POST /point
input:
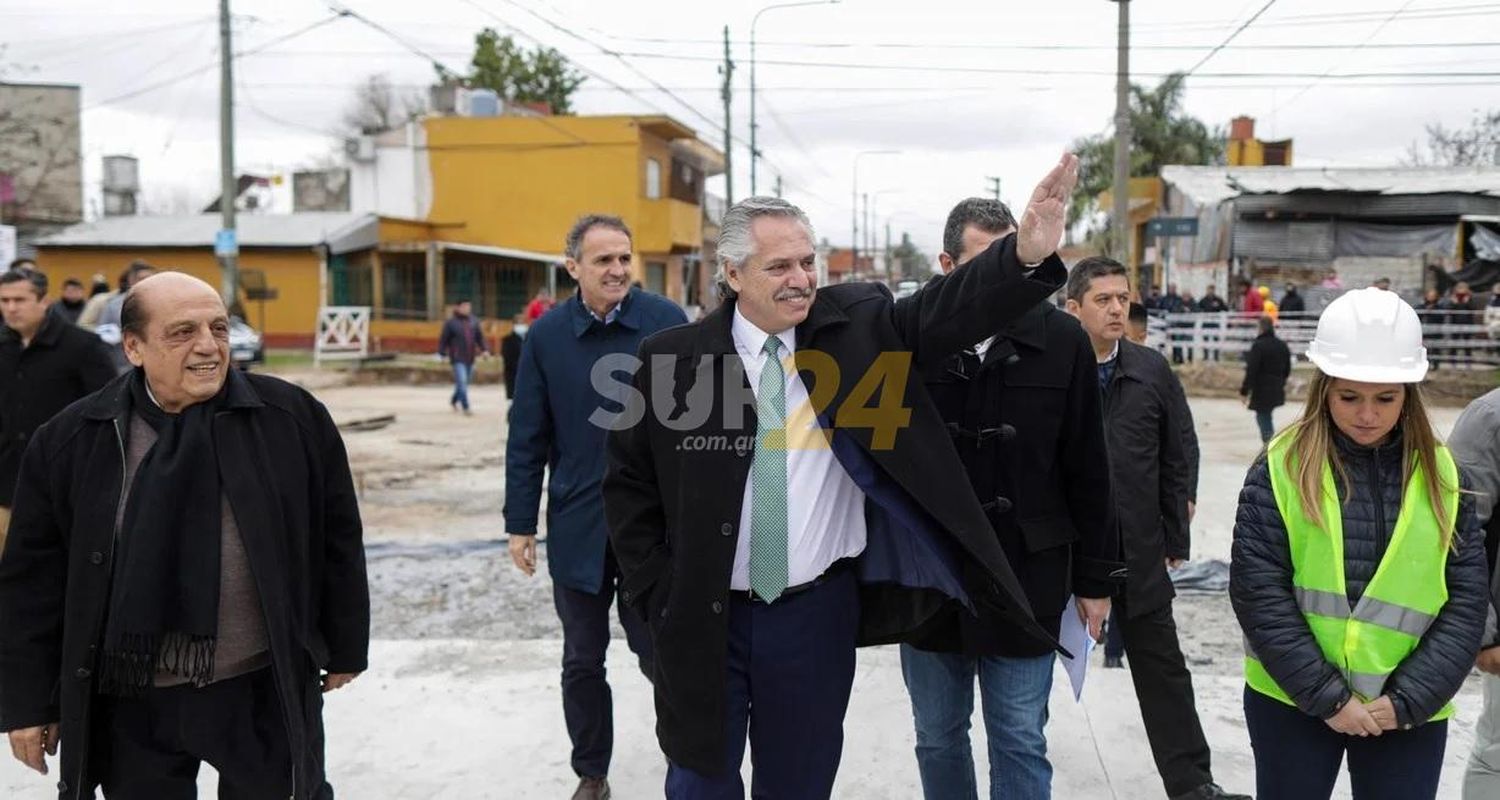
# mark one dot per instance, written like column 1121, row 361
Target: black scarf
column 164, row 601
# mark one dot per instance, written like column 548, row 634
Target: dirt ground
column 432, row 489
column 462, row 698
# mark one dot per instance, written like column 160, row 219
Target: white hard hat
column 1370, row 335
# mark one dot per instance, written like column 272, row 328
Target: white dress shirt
column 825, row 509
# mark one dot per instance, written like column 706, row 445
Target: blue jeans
column 1014, row 693
column 1267, row 427
column 461, row 374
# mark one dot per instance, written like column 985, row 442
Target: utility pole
column 888, row 247
column 226, row 246
column 869, row 233
column 727, row 70
column 1120, row 219
column 778, row 184
column 994, row 187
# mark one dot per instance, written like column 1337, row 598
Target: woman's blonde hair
column 1312, row 447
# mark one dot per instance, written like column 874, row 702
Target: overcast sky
column 964, row 90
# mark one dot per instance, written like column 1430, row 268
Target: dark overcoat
column 286, row 475
column 676, row 476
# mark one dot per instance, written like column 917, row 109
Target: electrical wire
column 206, row 67
column 1225, row 43
column 443, row 70
column 1304, row 90
column 601, row 48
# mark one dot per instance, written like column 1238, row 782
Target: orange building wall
column 290, row 320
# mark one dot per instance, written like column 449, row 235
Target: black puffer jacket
column 1261, row 588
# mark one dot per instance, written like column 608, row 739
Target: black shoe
column 1114, row 662
column 1211, row 791
column 592, row 789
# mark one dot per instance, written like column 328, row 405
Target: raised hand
column 1046, row 214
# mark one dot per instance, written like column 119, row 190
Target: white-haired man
column 760, row 568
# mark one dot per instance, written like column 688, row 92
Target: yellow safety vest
column 1366, row 643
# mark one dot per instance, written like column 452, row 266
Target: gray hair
column 984, row 213
column 735, row 242
column 573, row 245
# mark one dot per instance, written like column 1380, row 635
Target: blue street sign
column 226, row 244
column 1172, row 226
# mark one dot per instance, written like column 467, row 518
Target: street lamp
column 854, row 202
column 754, row 152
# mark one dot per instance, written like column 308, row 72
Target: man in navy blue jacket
column 550, row 427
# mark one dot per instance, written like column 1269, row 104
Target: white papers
column 1075, row 638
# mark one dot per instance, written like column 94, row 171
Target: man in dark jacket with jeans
column 1151, row 473
column 462, row 342
column 185, row 559
column 1267, row 366
column 552, row 424
column 45, row 364
column 1023, row 410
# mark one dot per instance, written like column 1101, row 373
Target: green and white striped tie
column 768, row 505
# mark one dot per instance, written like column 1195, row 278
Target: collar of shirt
column 750, row 340
column 1113, row 354
column 584, row 317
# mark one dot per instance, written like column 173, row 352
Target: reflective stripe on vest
column 1367, row 642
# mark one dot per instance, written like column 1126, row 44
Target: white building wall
column 397, row 182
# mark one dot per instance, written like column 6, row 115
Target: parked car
column 907, row 288
column 246, row 346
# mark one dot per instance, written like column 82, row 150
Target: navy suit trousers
column 791, row 668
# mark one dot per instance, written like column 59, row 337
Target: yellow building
column 450, row 207
column 1242, row 149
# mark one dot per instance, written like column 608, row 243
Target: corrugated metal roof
column 197, row 230
column 1216, row 184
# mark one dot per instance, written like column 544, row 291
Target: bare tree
column 1476, row 145
column 41, row 178
column 378, row 106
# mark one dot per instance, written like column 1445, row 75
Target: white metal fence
column 343, row 333
column 1452, row 337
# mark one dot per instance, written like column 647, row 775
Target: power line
column 804, row 89
column 618, row 56
column 441, row 68
column 1331, row 68
column 392, row 35
column 946, row 68
column 116, row 35
column 207, row 67
column 1225, row 43
column 657, row 85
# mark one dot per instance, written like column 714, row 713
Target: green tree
column 1160, row 134
column 542, row 75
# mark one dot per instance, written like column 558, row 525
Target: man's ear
column 1072, row 306
column 946, row 262
column 132, row 345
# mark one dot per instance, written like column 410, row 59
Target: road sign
column 1172, row 226
column 226, row 243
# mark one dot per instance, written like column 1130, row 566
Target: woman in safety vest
column 1359, row 574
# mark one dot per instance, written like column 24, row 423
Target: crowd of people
column 754, row 495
